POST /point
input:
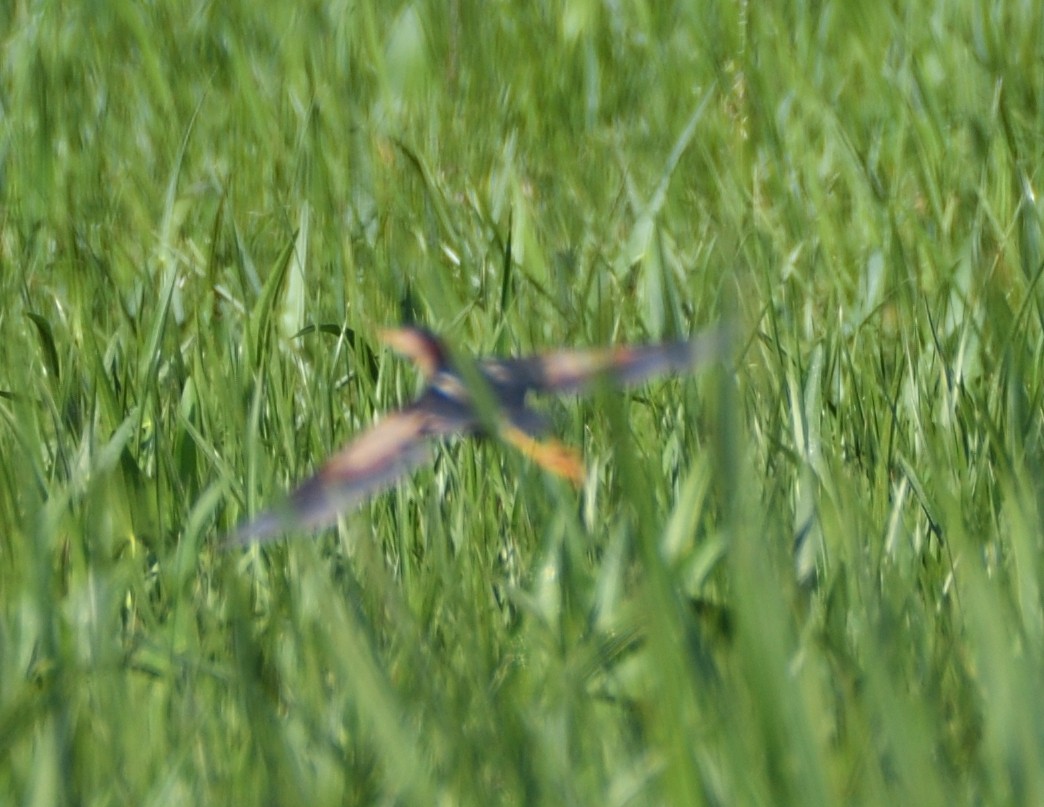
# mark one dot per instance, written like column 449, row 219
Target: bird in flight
column 401, row 441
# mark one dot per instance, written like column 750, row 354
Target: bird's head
column 421, row 347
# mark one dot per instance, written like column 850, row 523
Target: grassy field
column 810, row 576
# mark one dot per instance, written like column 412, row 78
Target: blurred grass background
column 811, row 578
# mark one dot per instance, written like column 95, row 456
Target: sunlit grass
column 811, row 576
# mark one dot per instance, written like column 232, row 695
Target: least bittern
column 402, row 440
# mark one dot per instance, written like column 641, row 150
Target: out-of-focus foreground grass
column 810, row 576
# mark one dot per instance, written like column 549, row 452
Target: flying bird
column 402, row 440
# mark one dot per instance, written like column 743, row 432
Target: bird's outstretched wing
column 401, row 441
column 565, row 371
column 367, row 465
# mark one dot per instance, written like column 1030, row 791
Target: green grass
column 812, row 578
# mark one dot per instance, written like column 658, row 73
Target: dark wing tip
column 259, row 530
column 311, row 506
column 264, row 527
column 710, row 345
